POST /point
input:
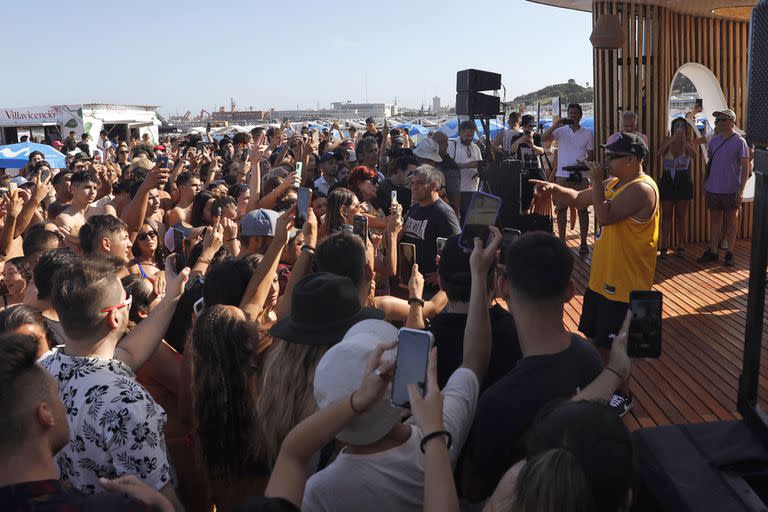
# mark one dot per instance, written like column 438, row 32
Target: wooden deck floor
column 696, row 378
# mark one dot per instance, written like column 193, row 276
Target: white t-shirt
column 394, row 479
column 509, row 134
column 462, row 154
column 572, row 147
column 116, row 427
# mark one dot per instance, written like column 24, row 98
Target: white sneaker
column 724, row 244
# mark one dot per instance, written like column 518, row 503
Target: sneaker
column 680, row 252
column 621, row 403
column 662, row 254
column 724, row 244
column 728, row 261
column 707, row 257
column 584, row 249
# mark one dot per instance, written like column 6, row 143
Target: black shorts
column 679, row 188
column 601, row 319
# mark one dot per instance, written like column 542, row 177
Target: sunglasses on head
column 146, row 235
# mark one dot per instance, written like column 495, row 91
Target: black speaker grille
column 757, row 78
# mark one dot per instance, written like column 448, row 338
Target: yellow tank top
column 624, row 257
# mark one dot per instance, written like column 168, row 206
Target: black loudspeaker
column 473, row 80
column 477, row 104
column 757, row 77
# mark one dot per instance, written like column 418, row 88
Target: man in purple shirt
column 726, row 178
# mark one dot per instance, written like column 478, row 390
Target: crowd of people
column 179, row 332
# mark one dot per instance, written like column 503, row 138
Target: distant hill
column 570, row 92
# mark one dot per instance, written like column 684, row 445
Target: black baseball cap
column 628, row 144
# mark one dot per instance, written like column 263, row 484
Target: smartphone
column 215, row 212
column 567, row 121
column 360, row 227
column 12, row 187
column 507, row 237
column 244, row 154
column 406, row 257
column 393, row 201
column 200, row 145
column 297, row 178
column 482, row 212
column 700, row 102
column 644, row 338
column 413, row 348
column 198, row 307
column 178, row 249
column 302, row 206
column 45, row 174
column 440, row 244
column 162, row 161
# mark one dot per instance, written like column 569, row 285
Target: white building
column 54, row 122
column 435, row 105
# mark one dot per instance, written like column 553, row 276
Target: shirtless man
column 189, row 186
column 85, row 185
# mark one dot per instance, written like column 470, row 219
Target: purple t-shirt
column 725, row 175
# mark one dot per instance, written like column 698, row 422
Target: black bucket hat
column 323, row 308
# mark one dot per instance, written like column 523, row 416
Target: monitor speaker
column 757, row 77
column 477, row 104
column 473, row 80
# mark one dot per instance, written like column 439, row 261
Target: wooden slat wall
column 639, row 75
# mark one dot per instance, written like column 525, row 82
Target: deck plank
column 696, row 378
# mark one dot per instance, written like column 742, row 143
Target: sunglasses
column 374, row 181
column 146, row 235
column 123, row 152
column 124, row 304
column 615, row 156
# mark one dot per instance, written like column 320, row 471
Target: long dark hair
column 225, row 425
column 158, row 258
column 15, row 316
column 142, row 294
column 196, row 217
column 336, row 199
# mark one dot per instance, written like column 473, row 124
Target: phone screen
column 297, row 178
column 178, row 250
column 482, row 213
column 645, row 328
column 162, row 161
column 360, row 227
column 700, row 102
column 406, row 257
column 302, row 206
column 507, row 237
column 411, row 365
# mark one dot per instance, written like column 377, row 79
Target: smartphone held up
column 413, row 347
column 644, row 337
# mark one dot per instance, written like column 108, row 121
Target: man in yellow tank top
column 624, row 257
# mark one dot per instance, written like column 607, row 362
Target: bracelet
column 621, row 379
column 308, row 250
column 308, row 247
column 352, row 405
column 417, row 300
column 427, row 438
column 230, row 240
column 204, row 260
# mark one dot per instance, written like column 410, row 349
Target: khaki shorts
column 579, row 186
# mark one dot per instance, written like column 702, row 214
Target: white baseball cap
column 340, row 372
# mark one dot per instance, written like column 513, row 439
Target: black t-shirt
column 384, row 196
column 423, row 225
column 448, row 329
column 448, row 164
column 379, row 136
column 506, row 409
column 526, row 154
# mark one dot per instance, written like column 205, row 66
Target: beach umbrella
column 413, row 129
column 451, row 128
column 16, row 156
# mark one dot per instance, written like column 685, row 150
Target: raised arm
column 12, row 205
column 308, row 437
column 261, row 281
column 638, row 200
column 39, row 192
column 477, row 333
column 416, row 292
column 136, row 211
column 303, row 265
column 138, row 346
column 549, row 135
column 615, row 372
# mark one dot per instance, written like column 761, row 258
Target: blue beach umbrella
column 16, row 156
column 413, row 129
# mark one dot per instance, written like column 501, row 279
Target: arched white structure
column 707, row 86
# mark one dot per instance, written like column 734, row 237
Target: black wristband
column 427, row 438
column 417, row 300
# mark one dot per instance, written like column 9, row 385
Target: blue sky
column 191, row 55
